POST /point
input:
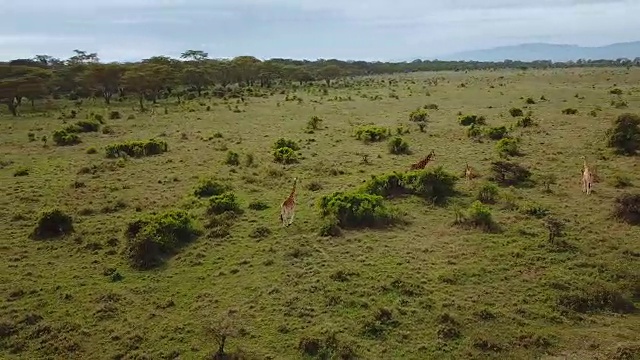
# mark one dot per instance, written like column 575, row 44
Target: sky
column 127, row 30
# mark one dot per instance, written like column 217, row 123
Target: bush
column 596, row 298
column 137, row 148
column 285, row 143
column 210, row 187
column 431, row 106
column 23, row 171
column 258, row 205
column 115, row 115
column 372, row 133
column 535, row 210
column 624, row 135
column 233, row 158
column 356, row 210
column 435, row 184
column 496, row 133
column 479, row 216
column 570, row 111
column 530, row 101
column 53, row 223
column 314, row 123
column 388, row 186
column 507, row 147
column 83, row 126
column 92, row 150
column 474, row 131
column 487, row 194
column 627, row 208
column 515, row 112
column 398, row 146
column 285, row 155
column 508, row 173
column 419, row 115
column 64, row 138
column 330, row 227
column 107, row 130
column 153, row 237
column 223, row 203
column 467, row 120
column 524, row 122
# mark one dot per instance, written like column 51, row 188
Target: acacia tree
column 104, row 78
column 329, row 72
column 147, row 79
column 19, row 81
column 195, row 55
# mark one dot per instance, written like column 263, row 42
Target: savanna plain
column 173, row 254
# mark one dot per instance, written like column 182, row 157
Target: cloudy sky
column 345, row 29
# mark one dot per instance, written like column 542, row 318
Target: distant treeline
column 83, row 75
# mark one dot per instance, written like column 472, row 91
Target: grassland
column 422, row 289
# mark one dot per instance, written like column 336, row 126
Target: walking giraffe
column 287, row 209
column 423, row 163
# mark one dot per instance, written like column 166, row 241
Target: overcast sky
column 361, row 30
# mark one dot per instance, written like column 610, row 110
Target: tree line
column 83, row 75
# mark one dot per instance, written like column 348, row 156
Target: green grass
column 420, row 289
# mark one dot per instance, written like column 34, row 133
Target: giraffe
column 587, row 177
column 469, row 173
column 287, row 209
column 423, row 163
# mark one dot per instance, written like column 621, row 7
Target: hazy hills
column 554, row 52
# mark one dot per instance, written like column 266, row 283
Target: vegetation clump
column 468, row 120
column 53, row 223
column 356, row 210
column 508, row 173
column 226, row 202
column 627, row 208
column 419, row 115
column 372, row 133
column 83, row 126
column 210, row 187
column 507, row 147
column 399, row 146
column 136, row 148
column 65, row 138
column 516, row 112
column 153, row 237
column 285, row 151
column 624, row 135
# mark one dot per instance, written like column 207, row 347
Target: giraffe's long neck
column 293, row 190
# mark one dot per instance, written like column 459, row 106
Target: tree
column 20, row 81
column 198, row 77
column 104, row 78
column 195, row 55
column 147, row 79
column 624, row 135
column 329, row 72
column 246, row 69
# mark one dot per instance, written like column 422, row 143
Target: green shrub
column 624, row 135
column 356, row 210
column 535, row 210
column 137, row 148
column 431, row 106
column 233, row 158
column 223, row 203
column 435, row 184
column 507, row 147
column 496, row 133
column 389, row 185
column 314, row 123
column 153, row 237
column 398, row 146
column 474, row 131
column 627, row 208
column 372, row 133
column 31, row 136
column 615, row 91
column 479, row 215
column 508, row 173
column 53, row 223
column 22, row 171
column 258, row 205
column 330, row 227
column 64, row 138
column 570, row 111
column 108, row 130
column 530, row 101
column 597, row 297
column 419, row 115
column 285, row 143
column 285, row 155
column 83, row 126
column 526, row 121
column 210, row 187
column 467, row 120
column 515, row 112
column 115, row 115
column 487, row 194
column 92, row 150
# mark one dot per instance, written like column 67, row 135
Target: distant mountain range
column 553, row 52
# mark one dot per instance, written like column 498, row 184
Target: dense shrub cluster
column 419, row 115
column 284, row 151
column 507, row 147
column 508, row 173
column 398, row 146
column 468, row 120
column 210, row 187
column 226, row 202
column 372, row 133
column 137, row 148
column 65, row 138
column 434, row 184
column 624, row 135
column 356, row 209
column 153, row 237
column 53, row 223
column 83, row 126
column 496, row 133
